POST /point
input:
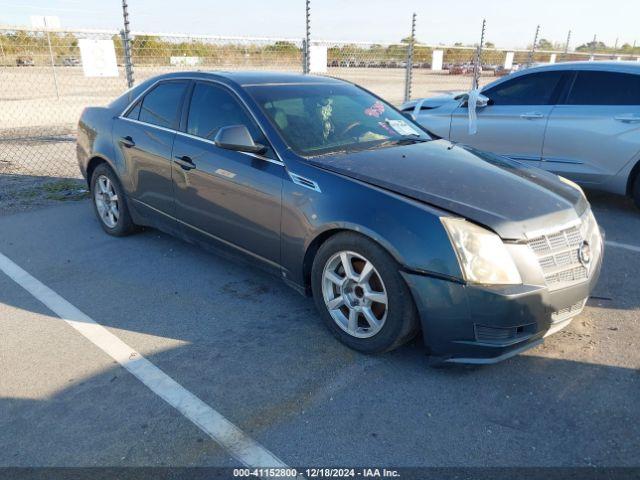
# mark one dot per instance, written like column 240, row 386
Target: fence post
column 533, row 46
column 126, row 44
column 306, row 55
column 4, row 57
column 409, row 66
column 478, row 60
column 566, row 45
column 53, row 66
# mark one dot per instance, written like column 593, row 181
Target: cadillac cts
column 391, row 230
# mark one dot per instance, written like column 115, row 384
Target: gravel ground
column 19, row 193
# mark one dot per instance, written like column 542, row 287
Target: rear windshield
column 320, row 119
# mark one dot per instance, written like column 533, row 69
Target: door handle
column 532, row 115
column 185, row 162
column 127, row 142
column 627, row 118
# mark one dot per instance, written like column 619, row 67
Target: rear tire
column 110, row 202
column 369, row 307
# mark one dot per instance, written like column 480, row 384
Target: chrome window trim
column 206, row 140
column 165, row 129
column 122, row 116
column 194, row 137
column 147, row 90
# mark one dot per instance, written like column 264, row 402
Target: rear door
column 144, row 138
column 514, row 122
column 225, row 195
column 596, row 132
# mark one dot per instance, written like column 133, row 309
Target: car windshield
column 321, row 119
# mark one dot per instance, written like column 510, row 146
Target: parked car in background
column 501, row 71
column 343, row 197
column 71, row 62
column 457, row 69
column 25, row 61
column 490, row 68
column 462, row 69
column 580, row 120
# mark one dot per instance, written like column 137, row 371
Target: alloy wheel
column 354, row 294
column 106, row 200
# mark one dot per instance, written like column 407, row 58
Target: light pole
column 53, row 66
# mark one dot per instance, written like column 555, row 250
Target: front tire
column 109, row 202
column 363, row 299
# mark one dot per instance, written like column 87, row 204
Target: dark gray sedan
column 392, row 231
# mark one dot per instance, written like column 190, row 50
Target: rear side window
column 161, row 106
column 134, row 113
column 532, row 89
column 213, row 107
column 605, row 88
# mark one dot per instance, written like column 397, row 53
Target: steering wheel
column 350, row 127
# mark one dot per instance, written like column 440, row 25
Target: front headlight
column 591, row 231
column 482, row 255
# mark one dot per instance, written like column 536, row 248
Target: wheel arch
column 635, row 171
column 92, row 164
column 321, row 237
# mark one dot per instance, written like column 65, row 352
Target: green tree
column 544, row 44
column 592, row 47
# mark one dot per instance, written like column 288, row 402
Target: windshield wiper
column 406, row 140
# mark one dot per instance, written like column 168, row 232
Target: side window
column 532, row 89
column 213, row 107
column 161, row 106
column 134, row 113
column 605, row 88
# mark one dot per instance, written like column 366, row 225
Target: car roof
column 611, row 66
column 253, row 78
column 608, row 66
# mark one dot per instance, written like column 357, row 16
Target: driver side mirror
column 481, row 102
column 238, row 138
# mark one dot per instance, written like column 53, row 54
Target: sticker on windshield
column 402, row 128
column 375, row 110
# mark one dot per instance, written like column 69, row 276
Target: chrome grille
column 557, row 253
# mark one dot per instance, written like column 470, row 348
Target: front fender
column 409, row 230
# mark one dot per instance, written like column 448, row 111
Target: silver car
column 580, row 120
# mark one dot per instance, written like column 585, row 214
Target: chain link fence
column 43, row 88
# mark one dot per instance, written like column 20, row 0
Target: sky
column 509, row 23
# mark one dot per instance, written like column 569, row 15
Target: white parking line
column 225, row 433
column 626, row 246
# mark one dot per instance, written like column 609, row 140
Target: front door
column 226, row 195
column 514, row 122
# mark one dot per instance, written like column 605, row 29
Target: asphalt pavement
column 257, row 353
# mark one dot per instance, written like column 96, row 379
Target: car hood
column 508, row 197
column 433, row 102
